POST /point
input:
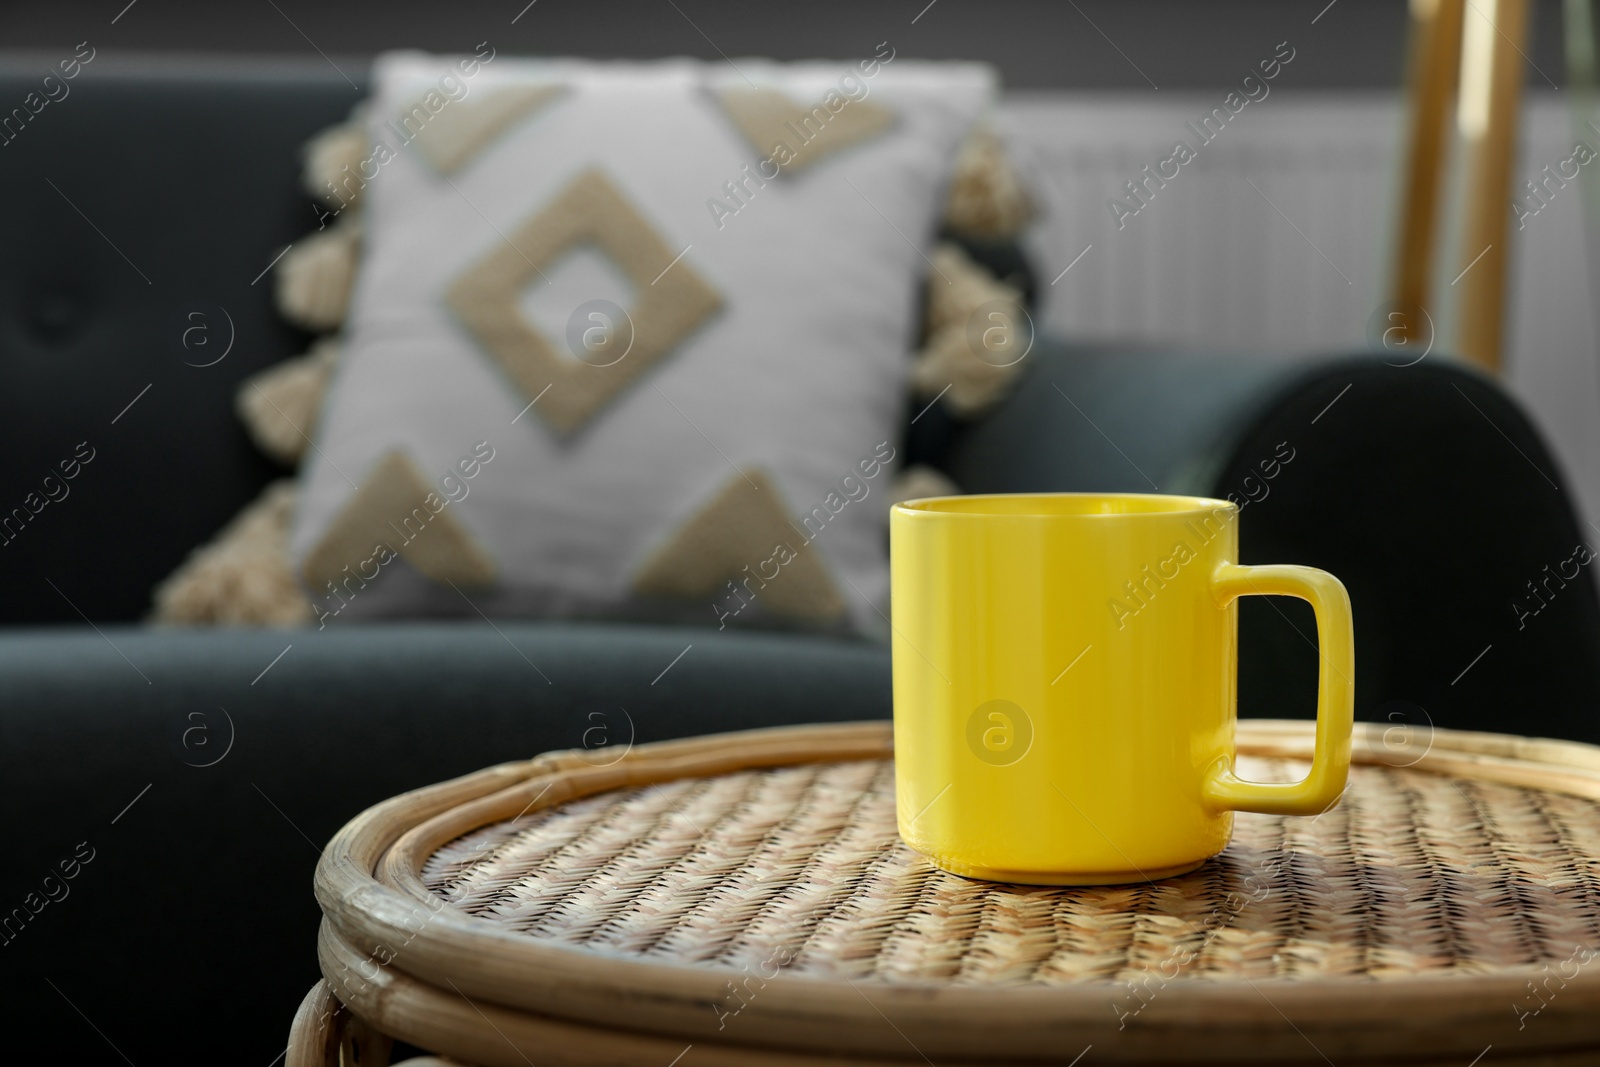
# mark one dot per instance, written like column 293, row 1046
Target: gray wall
column 1171, row 44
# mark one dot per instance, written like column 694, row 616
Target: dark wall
column 1101, row 44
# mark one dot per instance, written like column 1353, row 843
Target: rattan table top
column 1413, row 873
column 750, row 893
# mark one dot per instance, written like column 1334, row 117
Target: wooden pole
column 1494, row 38
column 1432, row 71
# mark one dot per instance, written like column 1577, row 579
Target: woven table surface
column 748, row 896
column 1412, row 873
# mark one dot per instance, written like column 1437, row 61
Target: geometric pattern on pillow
column 668, row 306
column 769, row 118
column 450, row 135
column 395, row 512
column 739, row 548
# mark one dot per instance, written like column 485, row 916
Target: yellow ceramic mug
column 1064, row 684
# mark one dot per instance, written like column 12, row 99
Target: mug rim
column 971, row 506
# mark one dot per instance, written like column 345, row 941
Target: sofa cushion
column 205, row 796
column 125, row 286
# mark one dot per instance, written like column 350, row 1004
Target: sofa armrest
column 1424, row 488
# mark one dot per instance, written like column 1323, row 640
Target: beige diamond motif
column 669, row 307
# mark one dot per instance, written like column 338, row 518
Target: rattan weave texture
column 1414, row 873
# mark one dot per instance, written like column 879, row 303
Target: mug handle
column 1330, row 765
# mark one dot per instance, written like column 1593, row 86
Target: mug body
column 1064, row 681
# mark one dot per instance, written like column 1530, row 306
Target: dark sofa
column 200, row 772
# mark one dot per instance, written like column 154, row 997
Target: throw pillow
column 629, row 338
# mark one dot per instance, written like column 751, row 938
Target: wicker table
column 744, row 899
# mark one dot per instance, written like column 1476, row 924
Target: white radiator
column 1275, row 238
